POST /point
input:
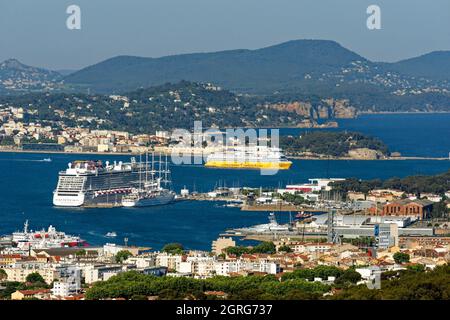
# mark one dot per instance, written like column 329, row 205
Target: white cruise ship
column 90, row 183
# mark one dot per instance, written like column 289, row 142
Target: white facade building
column 224, row 268
column 314, row 185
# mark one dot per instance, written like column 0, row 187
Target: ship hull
column 73, row 200
column 249, row 165
column 88, row 200
column 149, row 202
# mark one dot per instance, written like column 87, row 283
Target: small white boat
column 111, row 234
column 47, row 160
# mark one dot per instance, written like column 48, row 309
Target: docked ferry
column 249, row 157
column 44, row 239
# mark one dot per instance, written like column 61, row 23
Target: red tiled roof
column 32, row 292
column 215, row 293
column 10, row 256
column 77, row 297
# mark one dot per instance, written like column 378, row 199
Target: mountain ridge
column 18, row 77
column 313, row 66
column 234, row 69
column 439, row 61
column 310, row 67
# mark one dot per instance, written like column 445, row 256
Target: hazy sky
column 35, row 32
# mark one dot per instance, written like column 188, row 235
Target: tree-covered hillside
column 434, row 65
column 163, row 107
column 438, row 184
column 336, row 144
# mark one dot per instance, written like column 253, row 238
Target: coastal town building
column 239, row 266
column 8, row 259
column 34, row 136
column 28, row 294
column 387, row 235
column 65, row 288
column 314, row 185
column 222, row 243
column 384, row 195
column 420, row 208
column 21, row 269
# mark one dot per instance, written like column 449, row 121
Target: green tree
column 173, row 248
column 406, row 285
column 248, row 294
column 439, row 210
column 299, row 295
column 264, row 247
column 10, row 287
column 416, row 268
column 122, row 255
column 348, row 277
column 401, row 257
column 237, row 251
column 285, row 248
column 80, row 253
column 169, row 294
column 3, row 275
column 34, row 278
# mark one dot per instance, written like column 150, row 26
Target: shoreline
column 399, row 112
column 404, row 158
column 362, row 159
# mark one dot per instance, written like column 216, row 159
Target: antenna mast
column 140, row 171
column 159, row 168
column 146, row 167
column 166, row 172
column 153, row 167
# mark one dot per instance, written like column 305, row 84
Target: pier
column 277, row 207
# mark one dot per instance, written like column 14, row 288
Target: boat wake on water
column 95, row 234
column 28, row 160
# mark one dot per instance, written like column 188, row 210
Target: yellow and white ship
column 256, row 157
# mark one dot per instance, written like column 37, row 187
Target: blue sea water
column 27, row 185
column 413, row 134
